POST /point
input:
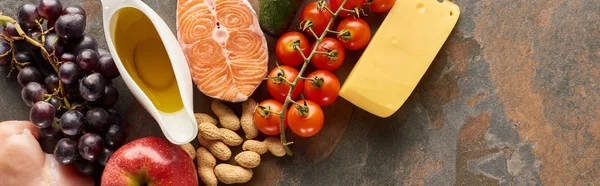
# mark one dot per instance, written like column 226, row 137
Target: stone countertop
column 511, row 99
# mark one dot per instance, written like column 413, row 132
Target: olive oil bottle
column 143, row 55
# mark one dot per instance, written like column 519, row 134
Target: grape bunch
column 67, row 81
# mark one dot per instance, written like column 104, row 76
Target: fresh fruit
column 115, row 137
column 353, row 5
column 50, row 10
column 106, row 66
column 271, row 144
column 84, row 166
column 206, row 165
column 306, row 118
column 333, row 59
column 247, row 119
column 68, row 72
column 33, row 92
column 278, row 85
column 29, row 74
column 23, row 57
column 217, row 148
column 276, row 16
column 323, row 88
column 10, row 30
column 87, row 59
column 66, row 151
column 70, row 27
column 381, row 6
column 286, row 51
column 318, row 18
column 97, row 119
column 50, row 43
column 227, row 59
column 110, row 96
column 226, row 116
column 151, row 161
column 354, row 33
column 72, row 122
column 86, row 42
column 248, row 159
column 28, row 14
column 103, row 53
column 51, row 82
column 5, row 52
column 52, row 131
column 212, row 132
column 74, row 9
column 42, row 114
column 68, row 57
column 92, row 87
column 265, row 120
column 91, row 146
column 230, row 174
column 105, row 156
column 55, row 102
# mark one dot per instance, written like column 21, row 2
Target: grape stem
column 51, row 58
column 288, row 99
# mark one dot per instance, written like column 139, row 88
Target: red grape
column 33, row 92
column 29, row 74
column 71, row 122
column 50, row 10
column 115, row 137
column 106, row 66
column 41, row 114
column 65, row 151
column 87, row 59
column 97, row 119
column 51, row 82
column 91, row 146
column 68, row 72
column 70, row 27
column 27, row 15
column 86, row 42
column 74, row 9
column 92, row 87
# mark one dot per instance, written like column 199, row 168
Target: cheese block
column 399, row 54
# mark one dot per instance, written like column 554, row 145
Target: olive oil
column 143, row 55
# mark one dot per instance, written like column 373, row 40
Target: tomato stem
column 313, row 32
column 329, row 10
column 288, row 99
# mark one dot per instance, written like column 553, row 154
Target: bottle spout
column 178, row 127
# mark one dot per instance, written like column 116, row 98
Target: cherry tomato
column 278, row 87
column 305, row 121
column 350, row 5
column 284, row 49
column 323, row 89
column 329, row 62
column 267, row 122
column 319, row 18
column 380, row 6
column 355, row 33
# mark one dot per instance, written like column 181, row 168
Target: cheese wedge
column 399, row 54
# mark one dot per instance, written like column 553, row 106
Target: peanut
column 189, row 149
column 248, row 159
column 247, row 119
column 206, row 164
column 271, row 144
column 202, row 117
column 226, row 116
column 217, row 148
column 212, row 132
column 230, row 174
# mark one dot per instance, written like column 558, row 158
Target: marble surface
column 511, row 99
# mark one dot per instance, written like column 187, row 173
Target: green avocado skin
column 276, row 16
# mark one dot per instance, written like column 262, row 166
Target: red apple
column 149, row 161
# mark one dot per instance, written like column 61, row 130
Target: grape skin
column 33, row 92
column 42, row 114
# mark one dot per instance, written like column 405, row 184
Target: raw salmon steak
column 224, row 46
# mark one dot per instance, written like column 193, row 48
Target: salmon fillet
column 226, row 50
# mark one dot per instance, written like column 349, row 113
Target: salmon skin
column 225, row 48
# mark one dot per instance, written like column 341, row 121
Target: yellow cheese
column 399, row 54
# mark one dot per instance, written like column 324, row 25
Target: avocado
column 276, row 16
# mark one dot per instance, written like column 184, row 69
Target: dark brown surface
column 511, row 99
